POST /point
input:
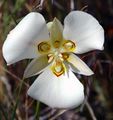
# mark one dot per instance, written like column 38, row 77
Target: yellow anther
column 44, row 47
column 50, row 59
column 50, row 54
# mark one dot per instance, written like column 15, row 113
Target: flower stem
column 37, row 110
column 17, row 100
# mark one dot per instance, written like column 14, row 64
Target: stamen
column 50, row 59
column 44, row 47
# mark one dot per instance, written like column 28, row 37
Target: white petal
column 22, row 41
column 78, row 66
column 36, row 66
column 64, row 91
column 84, row 30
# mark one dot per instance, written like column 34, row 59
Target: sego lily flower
column 53, row 48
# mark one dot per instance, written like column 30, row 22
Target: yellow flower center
column 55, row 54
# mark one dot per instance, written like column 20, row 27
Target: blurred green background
column 98, row 88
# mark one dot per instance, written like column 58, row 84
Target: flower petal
column 64, row 91
column 78, row 66
column 56, row 30
column 22, row 41
column 84, row 30
column 36, row 66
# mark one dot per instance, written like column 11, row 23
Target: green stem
column 37, row 110
column 17, row 100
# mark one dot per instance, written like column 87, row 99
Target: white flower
column 53, row 46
